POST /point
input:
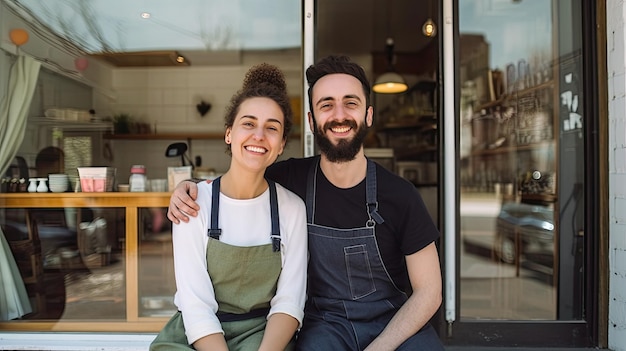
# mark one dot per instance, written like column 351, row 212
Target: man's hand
column 183, row 202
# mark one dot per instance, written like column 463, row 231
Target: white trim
column 309, row 56
column 449, row 156
column 76, row 341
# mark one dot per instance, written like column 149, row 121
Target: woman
column 250, row 236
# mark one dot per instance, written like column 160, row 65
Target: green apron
column 244, row 280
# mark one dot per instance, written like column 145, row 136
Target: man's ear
column 311, row 122
column 369, row 117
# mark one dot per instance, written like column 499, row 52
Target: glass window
column 84, row 258
column 521, row 160
column 156, row 264
column 121, row 26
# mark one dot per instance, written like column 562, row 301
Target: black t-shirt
column 408, row 226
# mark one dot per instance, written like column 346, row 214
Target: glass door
column 507, row 152
column 520, row 178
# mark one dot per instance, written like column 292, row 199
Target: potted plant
column 121, row 123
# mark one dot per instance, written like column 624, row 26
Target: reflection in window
column 508, row 160
column 123, row 26
column 129, row 289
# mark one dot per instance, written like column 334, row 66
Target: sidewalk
column 141, row 342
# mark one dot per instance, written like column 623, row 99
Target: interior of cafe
column 90, row 251
column 124, row 91
column 116, row 109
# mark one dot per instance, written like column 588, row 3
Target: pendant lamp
column 429, row 28
column 390, row 82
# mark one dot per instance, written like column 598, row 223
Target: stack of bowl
column 58, row 183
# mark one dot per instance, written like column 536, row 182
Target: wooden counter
column 78, row 200
column 131, row 202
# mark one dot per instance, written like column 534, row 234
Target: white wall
column 616, row 49
column 166, row 98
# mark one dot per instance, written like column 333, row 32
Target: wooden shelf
column 72, row 125
column 512, row 149
column 165, row 136
column 174, row 136
column 85, row 199
column 423, row 120
column 513, row 96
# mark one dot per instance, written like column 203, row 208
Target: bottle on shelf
column 137, row 180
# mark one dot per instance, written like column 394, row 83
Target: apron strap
column 370, row 195
column 275, row 220
column 215, row 231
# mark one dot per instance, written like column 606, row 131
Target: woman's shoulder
column 205, row 190
column 205, row 186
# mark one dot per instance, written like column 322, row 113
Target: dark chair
column 19, row 168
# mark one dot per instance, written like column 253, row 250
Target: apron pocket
column 359, row 271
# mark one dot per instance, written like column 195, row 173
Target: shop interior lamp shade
column 389, row 82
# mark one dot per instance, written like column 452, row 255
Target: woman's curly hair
column 263, row 80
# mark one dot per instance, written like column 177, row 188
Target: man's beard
column 345, row 150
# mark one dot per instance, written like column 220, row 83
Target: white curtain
column 14, row 108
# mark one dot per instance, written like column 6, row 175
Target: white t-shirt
column 243, row 223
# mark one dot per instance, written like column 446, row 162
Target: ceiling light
column 429, row 29
column 390, row 82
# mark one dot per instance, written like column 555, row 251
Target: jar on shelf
column 138, row 180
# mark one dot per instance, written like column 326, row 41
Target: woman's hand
column 183, row 202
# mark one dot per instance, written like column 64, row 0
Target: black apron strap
column 370, row 194
column 214, row 231
column 275, row 220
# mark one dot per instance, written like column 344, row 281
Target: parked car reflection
column 534, row 226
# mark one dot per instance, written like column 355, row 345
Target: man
column 374, row 278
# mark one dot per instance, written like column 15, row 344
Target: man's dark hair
column 336, row 64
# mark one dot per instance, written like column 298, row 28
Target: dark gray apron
column 351, row 297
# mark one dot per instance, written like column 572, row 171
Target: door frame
column 592, row 330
